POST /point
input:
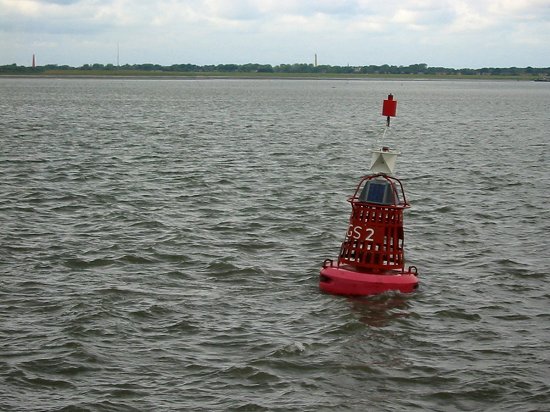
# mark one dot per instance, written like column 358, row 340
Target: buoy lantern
column 372, row 255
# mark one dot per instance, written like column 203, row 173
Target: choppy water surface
column 160, row 245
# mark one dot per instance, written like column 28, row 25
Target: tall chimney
column 33, row 61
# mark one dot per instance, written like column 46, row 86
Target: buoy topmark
column 389, row 108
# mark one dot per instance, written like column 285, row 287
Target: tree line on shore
column 385, row 69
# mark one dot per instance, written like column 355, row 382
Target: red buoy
column 371, row 258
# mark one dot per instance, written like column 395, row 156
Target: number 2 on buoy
column 355, row 233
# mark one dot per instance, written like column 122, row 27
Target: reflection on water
column 381, row 310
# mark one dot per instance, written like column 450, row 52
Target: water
column 161, row 240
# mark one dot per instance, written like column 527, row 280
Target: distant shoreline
column 254, row 76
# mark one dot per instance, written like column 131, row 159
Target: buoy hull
column 344, row 280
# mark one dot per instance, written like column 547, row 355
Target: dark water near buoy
column 160, row 244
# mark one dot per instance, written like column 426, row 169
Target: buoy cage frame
column 371, row 258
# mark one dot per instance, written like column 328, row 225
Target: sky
column 448, row 33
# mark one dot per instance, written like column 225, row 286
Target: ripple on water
column 161, row 252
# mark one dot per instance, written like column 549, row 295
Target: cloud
column 275, row 31
column 50, row 17
column 455, row 16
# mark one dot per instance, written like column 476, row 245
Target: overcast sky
column 449, row 33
